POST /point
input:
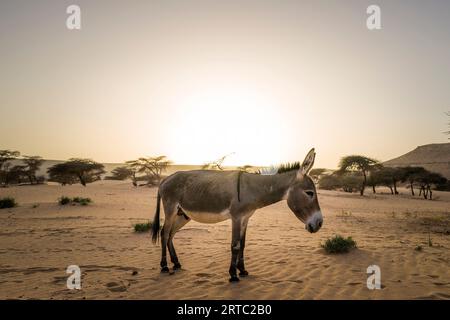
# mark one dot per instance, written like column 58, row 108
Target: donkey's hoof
column 164, row 269
column 176, row 266
column 234, row 279
column 243, row 273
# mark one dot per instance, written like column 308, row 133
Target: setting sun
column 242, row 123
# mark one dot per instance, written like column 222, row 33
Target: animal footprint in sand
column 116, row 287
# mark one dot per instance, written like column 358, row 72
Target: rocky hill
column 433, row 157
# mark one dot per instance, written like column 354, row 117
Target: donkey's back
column 201, row 190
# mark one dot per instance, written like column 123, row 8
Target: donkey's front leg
column 240, row 263
column 235, row 246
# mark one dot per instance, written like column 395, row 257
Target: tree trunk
column 373, row 189
column 412, row 188
column 364, row 184
column 425, row 193
column 82, row 181
column 395, row 187
column 430, row 192
column 392, row 191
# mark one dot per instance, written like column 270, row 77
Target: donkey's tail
column 156, row 222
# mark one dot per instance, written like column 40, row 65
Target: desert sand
column 39, row 239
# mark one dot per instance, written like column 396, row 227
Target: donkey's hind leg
column 179, row 222
column 170, row 216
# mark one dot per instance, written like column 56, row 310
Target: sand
column 39, row 239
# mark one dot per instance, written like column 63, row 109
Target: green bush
column 142, row 227
column 64, row 200
column 7, row 202
column 338, row 244
column 76, row 200
column 82, row 201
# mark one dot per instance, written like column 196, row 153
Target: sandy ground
column 39, row 239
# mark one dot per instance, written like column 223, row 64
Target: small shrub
column 64, row 200
column 418, row 248
column 76, row 200
column 7, row 202
column 142, row 227
column 85, row 202
column 338, row 244
column 82, row 201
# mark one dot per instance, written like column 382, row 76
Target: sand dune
column 39, row 239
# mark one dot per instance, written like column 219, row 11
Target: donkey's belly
column 208, row 217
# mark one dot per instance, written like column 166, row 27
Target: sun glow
column 243, row 124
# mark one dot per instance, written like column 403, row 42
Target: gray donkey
column 210, row 196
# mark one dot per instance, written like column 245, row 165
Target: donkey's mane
column 290, row 166
column 281, row 168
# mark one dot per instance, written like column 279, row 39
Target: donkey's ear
column 307, row 163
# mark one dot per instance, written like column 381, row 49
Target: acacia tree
column 60, row 173
column 85, row 170
column 33, row 163
column 412, row 175
column 7, row 155
column 373, row 180
column 128, row 171
column 384, row 176
column 5, row 165
column 152, row 167
column 426, row 180
column 120, row 173
column 390, row 177
column 360, row 164
column 16, row 174
column 397, row 175
column 134, row 167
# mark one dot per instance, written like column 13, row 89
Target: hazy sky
column 195, row 80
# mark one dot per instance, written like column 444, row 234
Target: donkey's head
column 302, row 196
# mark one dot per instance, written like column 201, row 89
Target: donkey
column 210, row 196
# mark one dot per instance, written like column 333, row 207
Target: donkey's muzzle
column 314, row 223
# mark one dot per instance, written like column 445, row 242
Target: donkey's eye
column 310, row 193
